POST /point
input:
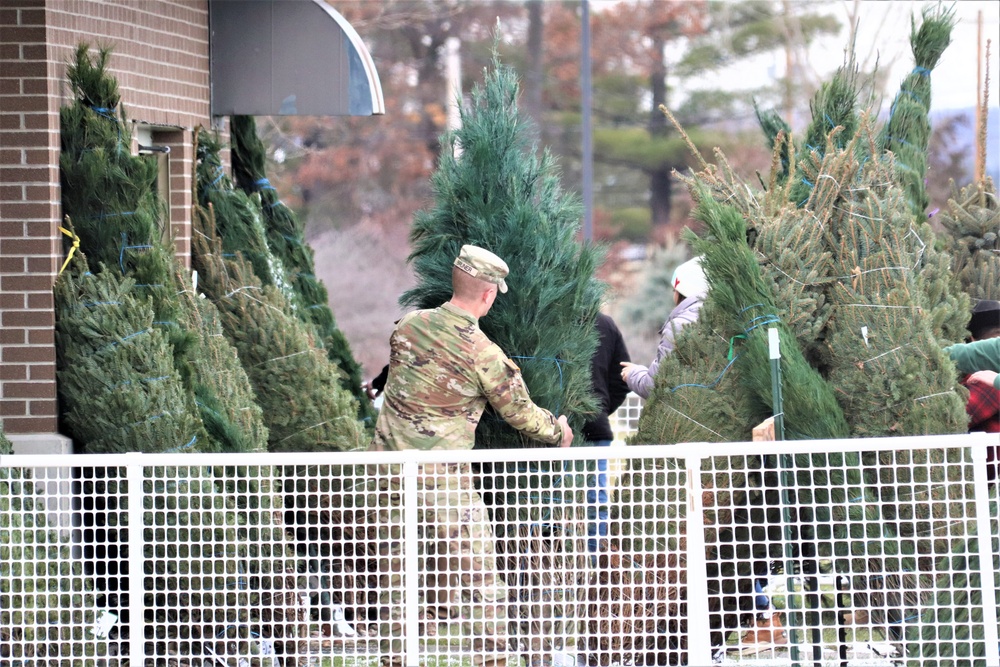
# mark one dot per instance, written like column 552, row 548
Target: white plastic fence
column 861, row 552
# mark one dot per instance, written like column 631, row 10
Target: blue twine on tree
column 559, row 363
column 129, row 382
column 908, row 618
column 263, row 184
column 125, row 246
column 768, row 319
column 108, row 112
column 711, row 384
column 189, row 445
column 126, row 338
column 830, row 121
column 807, row 183
column 922, row 71
column 221, row 173
column 90, row 304
column 906, row 91
column 904, row 142
column 764, row 320
column 292, row 239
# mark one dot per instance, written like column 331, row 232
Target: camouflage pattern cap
column 484, row 265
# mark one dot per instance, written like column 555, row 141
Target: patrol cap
column 484, row 265
column 689, row 279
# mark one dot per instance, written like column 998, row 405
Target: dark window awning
column 289, row 57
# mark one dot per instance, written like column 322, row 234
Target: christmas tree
column 117, row 382
column 972, row 223
column 287, row 242
column 223, row 391
column 837, row 260
column 109, row 196
column 907, row 132
column 492, row 190
column 142, row 367
column 297, row 386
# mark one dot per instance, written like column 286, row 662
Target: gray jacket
column 640, row 380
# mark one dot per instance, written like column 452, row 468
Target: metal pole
column 136, row 602
column 411, row 566
column 585, row 129
column 777, row 406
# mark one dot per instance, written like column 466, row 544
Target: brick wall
column 161, row 63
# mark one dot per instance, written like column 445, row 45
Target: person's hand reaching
column 567, row 437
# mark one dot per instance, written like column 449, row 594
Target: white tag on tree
column 105, row 621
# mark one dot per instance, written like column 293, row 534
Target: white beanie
column 690, row 280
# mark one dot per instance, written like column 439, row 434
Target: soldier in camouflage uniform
column 442, row 372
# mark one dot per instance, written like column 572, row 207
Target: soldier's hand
column 567, row 437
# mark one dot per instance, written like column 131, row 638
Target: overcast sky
column 884, row 33
column 886, row 25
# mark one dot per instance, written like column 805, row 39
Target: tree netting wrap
column 286, row 240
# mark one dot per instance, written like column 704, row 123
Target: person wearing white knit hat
column 690, row 290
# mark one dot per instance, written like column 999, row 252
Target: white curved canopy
column 289, row 57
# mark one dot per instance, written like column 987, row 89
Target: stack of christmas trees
column 143, row 366
column 835, row 253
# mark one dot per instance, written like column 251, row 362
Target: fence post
column 698, row 634
column 987, row 576
column 136, row 620
column 411, row 564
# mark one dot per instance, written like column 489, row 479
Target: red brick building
column 162, row 59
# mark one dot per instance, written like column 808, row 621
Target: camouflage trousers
column 463, row 599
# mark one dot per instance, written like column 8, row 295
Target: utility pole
column 980, row 168
column 585, row 129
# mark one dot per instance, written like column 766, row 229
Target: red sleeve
column 983, row 405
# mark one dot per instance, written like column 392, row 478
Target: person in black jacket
column 610, row 390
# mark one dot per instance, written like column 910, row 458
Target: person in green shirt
column 979, row 359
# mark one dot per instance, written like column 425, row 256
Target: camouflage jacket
column 442, row 371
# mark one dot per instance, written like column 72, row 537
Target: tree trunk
column 660, row 180
column 533, row 77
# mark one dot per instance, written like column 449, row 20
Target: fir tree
column 110, row 197
column 238, row 217
column 5, row 446
column 872, row 304
column 492, row 190
column 972, row 239
column 295, row 383
column 833, row 106
column 223, row 391
column 286, row 241
column 117, row 383
column 907, row 132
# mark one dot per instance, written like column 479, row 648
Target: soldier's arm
column 504, row 388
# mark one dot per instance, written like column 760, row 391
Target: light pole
column 585, row 129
